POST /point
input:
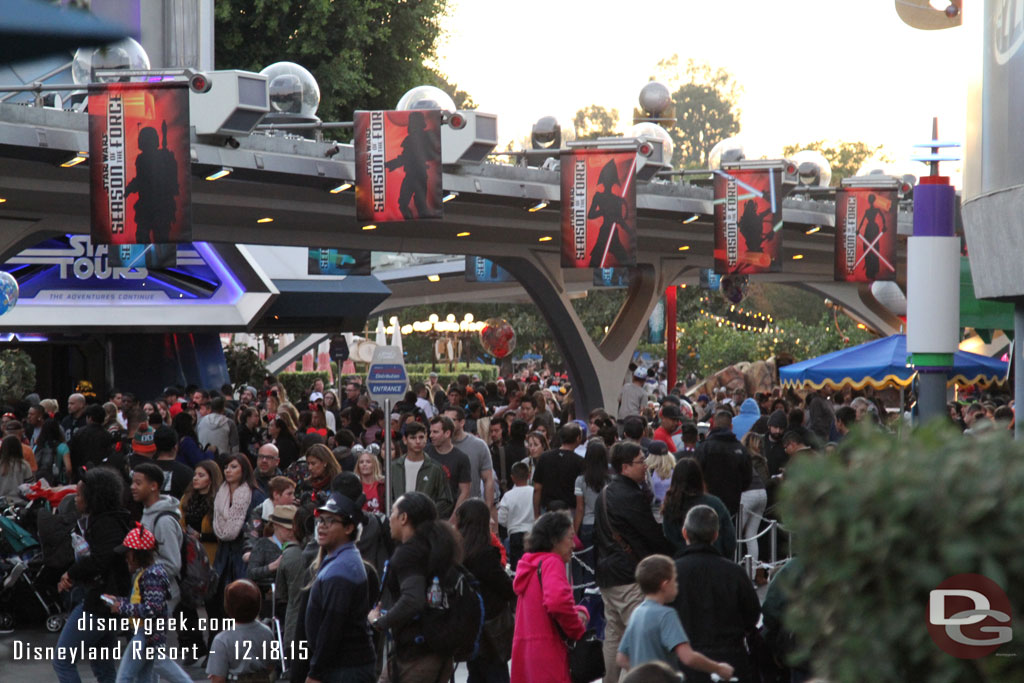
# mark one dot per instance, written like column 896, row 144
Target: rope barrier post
column 775, row 541
column 739, row 526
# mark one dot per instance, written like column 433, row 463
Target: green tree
column 244, row 365
column 595, row 121
column 705, row 109
column 364, row 54
column 845, row 158
column 462, row 99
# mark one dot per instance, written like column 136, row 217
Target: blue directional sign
column 386, row 377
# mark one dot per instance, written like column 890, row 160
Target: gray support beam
column 597, row 370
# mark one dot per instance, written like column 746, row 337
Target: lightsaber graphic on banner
column 398, row 165
column 598, row 191
column 140, row 187
column 748, row 237
column 630, row 174
column 866, row 223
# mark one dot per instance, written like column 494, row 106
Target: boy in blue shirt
column 654, row 632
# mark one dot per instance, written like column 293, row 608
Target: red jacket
column 538, row 653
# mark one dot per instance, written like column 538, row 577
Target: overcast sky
column 809, row 69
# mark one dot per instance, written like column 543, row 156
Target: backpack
column 196, row 578
column 454, row 629
column 49, row 465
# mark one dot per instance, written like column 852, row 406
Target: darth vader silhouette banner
column 865, row 234
column 139, row 164
column 398, row 165
column 748, row 221
column 598, row 208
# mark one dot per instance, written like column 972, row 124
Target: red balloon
column 497, row 337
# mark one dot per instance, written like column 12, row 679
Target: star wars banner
column 748, row 220
column 139, row 163
column 338, row 262
column 598, row 208
column 865, row 234
column 616, row 278
column 479, row 269
column 398, row 165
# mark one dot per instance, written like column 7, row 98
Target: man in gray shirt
column 633, row 397
column 479, row 456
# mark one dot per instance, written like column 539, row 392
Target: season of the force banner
column 139, row 163
column 598, row 208
column 748, row 220
column 865, row 234
column 398, row 165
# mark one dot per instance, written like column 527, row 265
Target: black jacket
column 103, row 570
column 629, row 513
column 717, row 604
column 495, row 584
column 727, row 467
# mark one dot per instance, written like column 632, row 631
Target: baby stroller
column 21, row 590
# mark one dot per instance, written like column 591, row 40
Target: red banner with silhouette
column 865, row 234
column 139, row 163
column 398, row 165
column 748, row 221
column 598, row 208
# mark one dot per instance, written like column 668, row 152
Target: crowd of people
column 639, row 507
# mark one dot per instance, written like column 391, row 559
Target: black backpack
column 196, row 578
column 454, row 628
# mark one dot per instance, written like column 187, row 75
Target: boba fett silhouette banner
column 139, row 163
column 748, row 220
column 398, row 165
column 865, row 234
column 598, row 208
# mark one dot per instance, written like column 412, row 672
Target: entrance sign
column 386, row 378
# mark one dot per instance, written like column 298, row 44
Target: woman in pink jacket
column 538, row 653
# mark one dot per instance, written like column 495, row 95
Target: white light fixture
column 369, row 227
column 463, row 234
column 538, row 206
column 797, row 257
column 813, row 230
column 341, row 188
column 546, row 238
column 265, row 219
column 691, row 219
column 224, row 171
column 685, row 247
column 434, row 278
column 450, row 196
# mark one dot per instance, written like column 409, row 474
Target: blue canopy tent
column 883, row 363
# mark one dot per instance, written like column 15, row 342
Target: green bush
column 17, row 374
column 877, row 536
column 245, row 365
column 488, row 373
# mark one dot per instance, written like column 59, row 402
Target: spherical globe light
column 126, row 54
column 726, row 151
column 426, row 97
column 655, row 133
column 293, row 90
column 812, row 168
column 8, row 292
column 655, row 99
column 550, row 133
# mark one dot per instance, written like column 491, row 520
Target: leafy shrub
column 244, row 365
column 17, row 374
column 877, row 536
column 297, row 384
